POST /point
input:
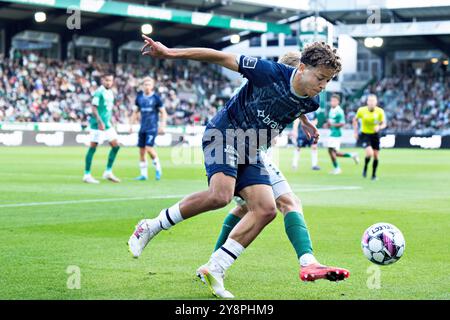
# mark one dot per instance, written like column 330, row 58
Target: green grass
column 39, row 242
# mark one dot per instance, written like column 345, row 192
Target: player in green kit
column 101, row 129
column 336, row 120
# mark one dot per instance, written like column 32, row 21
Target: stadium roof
column 123, row 29
column 399, row 15
column 16, row 16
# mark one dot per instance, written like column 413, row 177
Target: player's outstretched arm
column 156, row 49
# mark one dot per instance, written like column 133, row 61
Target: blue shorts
column 147, row 139
column 247, row 167
column 303, row 142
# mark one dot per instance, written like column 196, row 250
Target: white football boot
column 110, row 176
column 336, row 171
column 145, row 230
column 355, row 158
column 90, row 179
column 212, row 275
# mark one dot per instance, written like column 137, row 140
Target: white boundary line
column 53, row 203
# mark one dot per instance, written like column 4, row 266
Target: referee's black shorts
column 370, row 140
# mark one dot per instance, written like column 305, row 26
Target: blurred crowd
column 412, row 103
column 38, row 89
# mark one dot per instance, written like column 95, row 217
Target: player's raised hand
column 154, row 49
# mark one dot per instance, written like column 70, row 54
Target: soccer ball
column 383, row 243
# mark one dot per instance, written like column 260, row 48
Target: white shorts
column 280, row 186
column 99, row 136
column 334, row 143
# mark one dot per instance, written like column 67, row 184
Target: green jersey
column 104, row 100
column 336, row 115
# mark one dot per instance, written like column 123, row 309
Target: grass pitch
column 57, row 233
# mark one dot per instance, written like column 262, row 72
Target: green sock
column 335, row 164
column 228, row 224
column 112, row 157
column 88, row 160
column 297, row 232
column 347, row 155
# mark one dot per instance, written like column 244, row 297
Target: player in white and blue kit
column 302, row 141
column 150, row 107
column 274, row 96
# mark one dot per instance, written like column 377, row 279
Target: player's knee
column 239, row 211
column 220, row 199
column 288, row 203
column 267, row 212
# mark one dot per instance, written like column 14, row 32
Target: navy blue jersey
column 266, row 101
column 149, row 107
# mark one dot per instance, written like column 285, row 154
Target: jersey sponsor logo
column 249, row 62
column 267, row 120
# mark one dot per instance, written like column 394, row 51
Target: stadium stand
column 38, row 89
column 413, row 103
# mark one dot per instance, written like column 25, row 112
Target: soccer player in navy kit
column 273, row 97
column 150, row 107
column 299, row 137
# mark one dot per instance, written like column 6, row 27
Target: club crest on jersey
column 249, row 62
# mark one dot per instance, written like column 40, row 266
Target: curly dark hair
column 321, row 54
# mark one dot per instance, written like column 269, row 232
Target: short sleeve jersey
column 370, row 119
column 149, row 107
column 266, row 101
column 335, row 116
column 104, row 100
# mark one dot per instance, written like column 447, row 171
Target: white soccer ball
column 383, row 243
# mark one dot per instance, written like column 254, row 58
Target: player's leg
column 143, row 165
column 294, row 224
column 94, row 137
column 108, row 174
column 314, row 156
column 88, row 178
column 218, row 195
column 354, row 156
column 262, row 210
column 333, row 155
column 231, row 220
column 369, row 154
column 298, row 234
column 155, row 161
column 366, row 144
column 376, row 151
